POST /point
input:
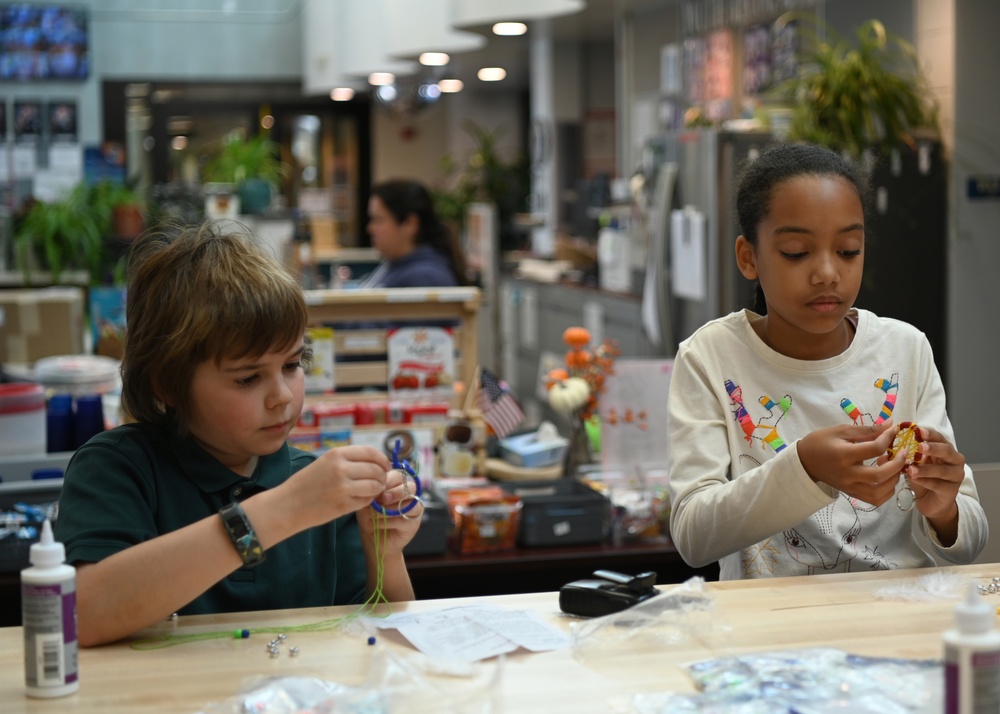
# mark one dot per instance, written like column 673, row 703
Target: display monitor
column 43, row 42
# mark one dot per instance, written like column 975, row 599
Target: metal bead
column 293, row 651
column 282, row 637
column 275, row 654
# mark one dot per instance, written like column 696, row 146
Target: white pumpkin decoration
column 569, row 395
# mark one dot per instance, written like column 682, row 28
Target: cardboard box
column 40, row 322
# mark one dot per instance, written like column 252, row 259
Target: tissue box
column 530, row 451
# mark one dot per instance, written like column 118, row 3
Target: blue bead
column 245, row 634
column 371, row 640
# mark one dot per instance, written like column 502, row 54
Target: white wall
column 412, row 147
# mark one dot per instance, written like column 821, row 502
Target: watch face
column 238, row 527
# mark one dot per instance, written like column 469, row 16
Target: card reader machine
column 607, row 593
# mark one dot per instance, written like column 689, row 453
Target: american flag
column 499, row 408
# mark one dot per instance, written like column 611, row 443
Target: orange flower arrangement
column 575, row 389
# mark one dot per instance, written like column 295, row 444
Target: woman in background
column 416, row 248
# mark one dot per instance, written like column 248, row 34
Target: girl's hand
column 842, row 457
column 399, row 530
column 936, row 479
column 340, row 481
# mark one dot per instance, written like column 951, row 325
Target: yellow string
column 376, row 598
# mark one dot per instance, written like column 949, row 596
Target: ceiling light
column 386, row 92
column 434, row 59
column 510, row 28
column 451, row 86
column 342, row 94
column 379, row 79
column 491, row 74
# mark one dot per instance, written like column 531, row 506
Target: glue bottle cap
column 47, row 552
column 974, row 616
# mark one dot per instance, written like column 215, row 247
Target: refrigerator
column 691, row 276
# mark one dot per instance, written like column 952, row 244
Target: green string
column 168, row 639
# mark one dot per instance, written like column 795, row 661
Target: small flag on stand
column 500, row 409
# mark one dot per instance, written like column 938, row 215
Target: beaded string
column 377, row 597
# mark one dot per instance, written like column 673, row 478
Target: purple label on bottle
column 69, row 616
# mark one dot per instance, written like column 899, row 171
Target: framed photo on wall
column 62, row 121
column 27, row 120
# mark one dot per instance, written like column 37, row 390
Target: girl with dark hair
column 781, row 419
column 417, row 249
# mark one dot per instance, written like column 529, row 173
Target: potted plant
column 120, row 205
column 485, row 176
column 869, row 94
column 252, row 165
column 62, row 234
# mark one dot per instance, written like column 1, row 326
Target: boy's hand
column 399, row 530
column 341, row 481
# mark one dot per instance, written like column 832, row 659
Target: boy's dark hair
column 404, row 197
column 197, row 293
column 781, row 162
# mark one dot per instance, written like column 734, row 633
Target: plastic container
column 22, row 419
column 972, row 658
column 561, row 512
column 48, row 614
column 79, row 375
column 59, row 423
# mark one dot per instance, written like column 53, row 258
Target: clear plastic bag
column 398, row 683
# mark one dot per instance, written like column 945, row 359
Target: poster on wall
column 633, row 411
column 719, row 83
column 694, row 70
column 62, row 121
column 27, row 121
column 756, row 59
column 784, row 51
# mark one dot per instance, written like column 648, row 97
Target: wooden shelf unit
column 362, row 319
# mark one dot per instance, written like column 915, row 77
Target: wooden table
column 826, row 610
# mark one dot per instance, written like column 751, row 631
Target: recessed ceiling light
column 491, row 74
column 510, row 28
column 342, row 94
column 434, row 59
column 381, row 78
column 451, row 86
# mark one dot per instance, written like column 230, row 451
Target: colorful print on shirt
column 767, row 425
column 890, row 386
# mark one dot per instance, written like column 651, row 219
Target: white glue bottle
column 48, row 614
column 972, row 658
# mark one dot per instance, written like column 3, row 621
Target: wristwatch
column 234, row 518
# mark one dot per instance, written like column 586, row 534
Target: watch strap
column 242, row 534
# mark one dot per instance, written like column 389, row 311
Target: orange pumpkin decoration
column 576, row 337
column 555, row 376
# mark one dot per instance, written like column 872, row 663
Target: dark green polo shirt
column 134, row 483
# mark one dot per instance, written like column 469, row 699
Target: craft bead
column 371, row 640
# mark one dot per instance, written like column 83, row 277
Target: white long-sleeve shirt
column 739, row 493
